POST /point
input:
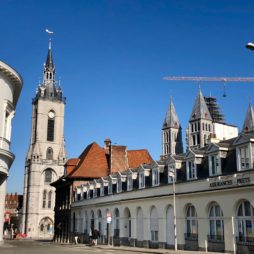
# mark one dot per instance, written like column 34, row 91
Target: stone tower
column 200, row 124
column 171, row 133
column 46, row 155
column 249, row 120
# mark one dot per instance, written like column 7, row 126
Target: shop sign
column 222, row 183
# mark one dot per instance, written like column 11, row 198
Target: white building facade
column 198, row 200
column 10, row 87
column 46, row 155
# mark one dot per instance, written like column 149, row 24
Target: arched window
column 116, row 224
column 245, row 222
column 49, row 199
column 92, row 220
column 51, row 126
column 140, row 225
column 191, row 223
column 48, row 176
column 216, row 223
column 154, row 224
column 44, row 198
column 49, row 154
column 42, row 227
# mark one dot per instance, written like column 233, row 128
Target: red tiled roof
column 137, row 157
column 71, row 164
column 92, row 163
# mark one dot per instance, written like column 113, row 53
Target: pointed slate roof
column 49, row 65
column 200, row 109
column 171, row 119
column 249, row 120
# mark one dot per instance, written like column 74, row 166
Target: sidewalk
column 145, row 250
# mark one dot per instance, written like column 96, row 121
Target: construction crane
column 212, row 79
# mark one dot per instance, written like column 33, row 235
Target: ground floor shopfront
column 212, row 214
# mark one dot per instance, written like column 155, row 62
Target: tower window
column 51, row 127
column 48, row 176
column 44, row 199
column 49, row 199
column 49, row 155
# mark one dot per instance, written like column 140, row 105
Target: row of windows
column 214, row 169
column 243, row 222
column 195, row 127
column 154, row 175
column 86, row 190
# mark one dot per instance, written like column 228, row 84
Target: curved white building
column 10, row 87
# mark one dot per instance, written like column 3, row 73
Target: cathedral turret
column 171, row 133
column 200, row 124
column 249, row 120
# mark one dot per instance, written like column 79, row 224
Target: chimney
column 107, row 148
column 107, row 145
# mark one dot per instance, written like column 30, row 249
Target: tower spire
column 249, row 120
column 171, row 132
column 49, row 65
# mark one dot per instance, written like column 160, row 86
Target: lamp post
column 174, row 200
column 173, row 175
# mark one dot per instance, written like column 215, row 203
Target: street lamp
column 250, row 46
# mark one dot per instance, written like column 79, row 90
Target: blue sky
column 111, row 57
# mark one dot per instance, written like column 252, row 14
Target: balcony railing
column 244, row 240
column 215, row 238
column 190, row 236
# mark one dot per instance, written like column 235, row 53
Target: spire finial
column 50, row 33
column 49, row 43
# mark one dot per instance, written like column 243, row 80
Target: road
column 37, row 247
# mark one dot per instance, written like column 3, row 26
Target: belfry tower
column 46, row 155
column 171, row 133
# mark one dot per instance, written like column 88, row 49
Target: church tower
column 200, row 124
column 171, row 133
column 46, row 155
column 249, row 120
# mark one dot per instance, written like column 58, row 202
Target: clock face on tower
column 51, row 114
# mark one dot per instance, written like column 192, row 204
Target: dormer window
column 155, row 177
column 191, row 170
column 141, row 180
column 214, row 165
column 102, row 190
column 171, row 173
column 129, row 183
column 110, row 187
column 119, row 184
column 244, row 154
column 94, row 192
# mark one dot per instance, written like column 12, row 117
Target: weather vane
column 50, row 33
